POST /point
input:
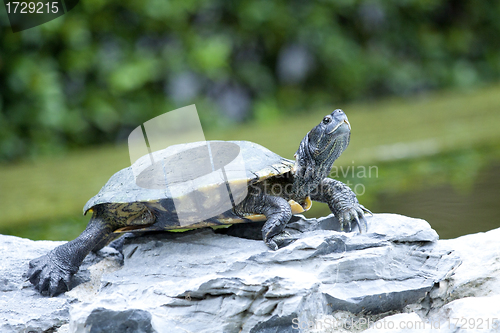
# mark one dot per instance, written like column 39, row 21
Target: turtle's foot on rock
column 280, row 240
column 48, row 277
column 356, row 215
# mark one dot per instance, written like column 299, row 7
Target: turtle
column 267, row 188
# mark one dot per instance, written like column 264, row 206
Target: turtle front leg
column 51, row 274
column 278, row 213
column 342, row 202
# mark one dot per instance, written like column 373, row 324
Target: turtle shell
column 197, row 182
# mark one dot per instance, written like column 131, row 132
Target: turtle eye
column 327, row 120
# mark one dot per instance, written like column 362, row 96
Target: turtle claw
column 279, row 241
column 365, row 210
column 354, row 215
column 271, row 244
column 349, row 226
column 48, row 277
column 362, row 225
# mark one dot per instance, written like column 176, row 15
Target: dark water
column 451, row 212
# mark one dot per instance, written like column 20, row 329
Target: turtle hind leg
column 113, row 237
column 51, row 274
column 277, row 211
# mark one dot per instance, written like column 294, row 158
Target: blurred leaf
column 127, row 52
column 211, row 55
column 266, row 111
column 133, row 75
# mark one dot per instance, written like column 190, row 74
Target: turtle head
column 319, row 149
column 329, row 138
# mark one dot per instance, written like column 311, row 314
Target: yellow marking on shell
column 130, row 228
column 296, row 209
column 227, row 221
column 212, row 196
column 256, row 217
column 213, row 227
column 220, row 226
column 262, row 174
column 276, row 169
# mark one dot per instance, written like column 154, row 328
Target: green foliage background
column 93, row 74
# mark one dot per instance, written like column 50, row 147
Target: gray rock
column 479, row 274
column 103, row 320
column 202, row 281
column 467, row 301
column 470, row 314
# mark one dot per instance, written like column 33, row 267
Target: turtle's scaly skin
column 275, row 189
